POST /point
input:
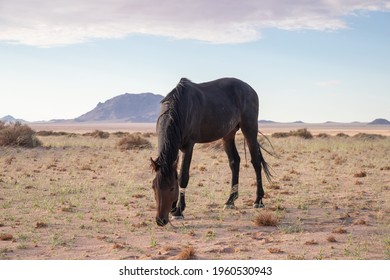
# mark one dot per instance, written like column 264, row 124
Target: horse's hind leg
column 256, row 159
column 234, row 163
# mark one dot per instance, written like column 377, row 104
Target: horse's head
column 166, row 191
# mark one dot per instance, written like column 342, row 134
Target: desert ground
column 82, row 197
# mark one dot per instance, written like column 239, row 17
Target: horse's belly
column 211, row 130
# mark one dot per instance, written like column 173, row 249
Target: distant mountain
column 11, row 119
column 143, row 107
column 266, row 121
column 380, row 121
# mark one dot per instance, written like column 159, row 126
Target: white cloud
column 61, row 22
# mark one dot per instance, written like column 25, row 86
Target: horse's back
column 220, row 106
column 231, row 95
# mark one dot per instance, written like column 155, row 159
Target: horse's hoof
column 229, row 206
column 258, row 205
column 178, row 217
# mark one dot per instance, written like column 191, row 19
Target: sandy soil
column 80, row 197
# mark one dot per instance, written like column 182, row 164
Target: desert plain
column 80, row 196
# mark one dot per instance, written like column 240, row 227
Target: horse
column 201, row 113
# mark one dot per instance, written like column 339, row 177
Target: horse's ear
column 154, row 165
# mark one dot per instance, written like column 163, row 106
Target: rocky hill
column 11, row 119
column 143, row 107
column 380, row 121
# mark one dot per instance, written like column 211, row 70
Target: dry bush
column 148, row 134
column 51, row 133
column 6, row 236
column 311, row 242
column 339, row 230
column 331, row 238
column 303, row 133
column 323, row 135
column 120, row 133
column 342, row 135
column 266, row 218
column 359, row 222
column 360, row 174
column 275, row 250
column 17, row 134
column 368, row 137
column 41, row 225
column 280, row 134
column 187, row 253
column 98, row 134
column 133, row 142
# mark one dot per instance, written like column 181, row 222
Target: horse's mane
column 175, row 94
column 170, row 127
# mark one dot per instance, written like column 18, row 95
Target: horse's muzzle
column 161, row 222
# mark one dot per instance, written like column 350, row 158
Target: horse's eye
column 172, row 189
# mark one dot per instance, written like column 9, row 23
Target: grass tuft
column 6, row 236
column 187, row 253
column 360, row 174
column 267, row 219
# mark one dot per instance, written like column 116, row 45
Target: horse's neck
column 168, row 141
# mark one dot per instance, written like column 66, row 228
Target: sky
column 311, row 61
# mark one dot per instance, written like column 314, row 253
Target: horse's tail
column 264, row 164
column 269, row 142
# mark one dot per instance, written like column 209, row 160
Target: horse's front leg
column 184, row 177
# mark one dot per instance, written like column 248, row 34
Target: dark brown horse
column 199, row 113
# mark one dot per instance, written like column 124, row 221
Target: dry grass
column 340, row 230
column 83, row 198
column 267, row 219
column 6, row 236
column 275, row 250
column 187, row 253
column 311, row 242
column 360, row 174
column 331, row 239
